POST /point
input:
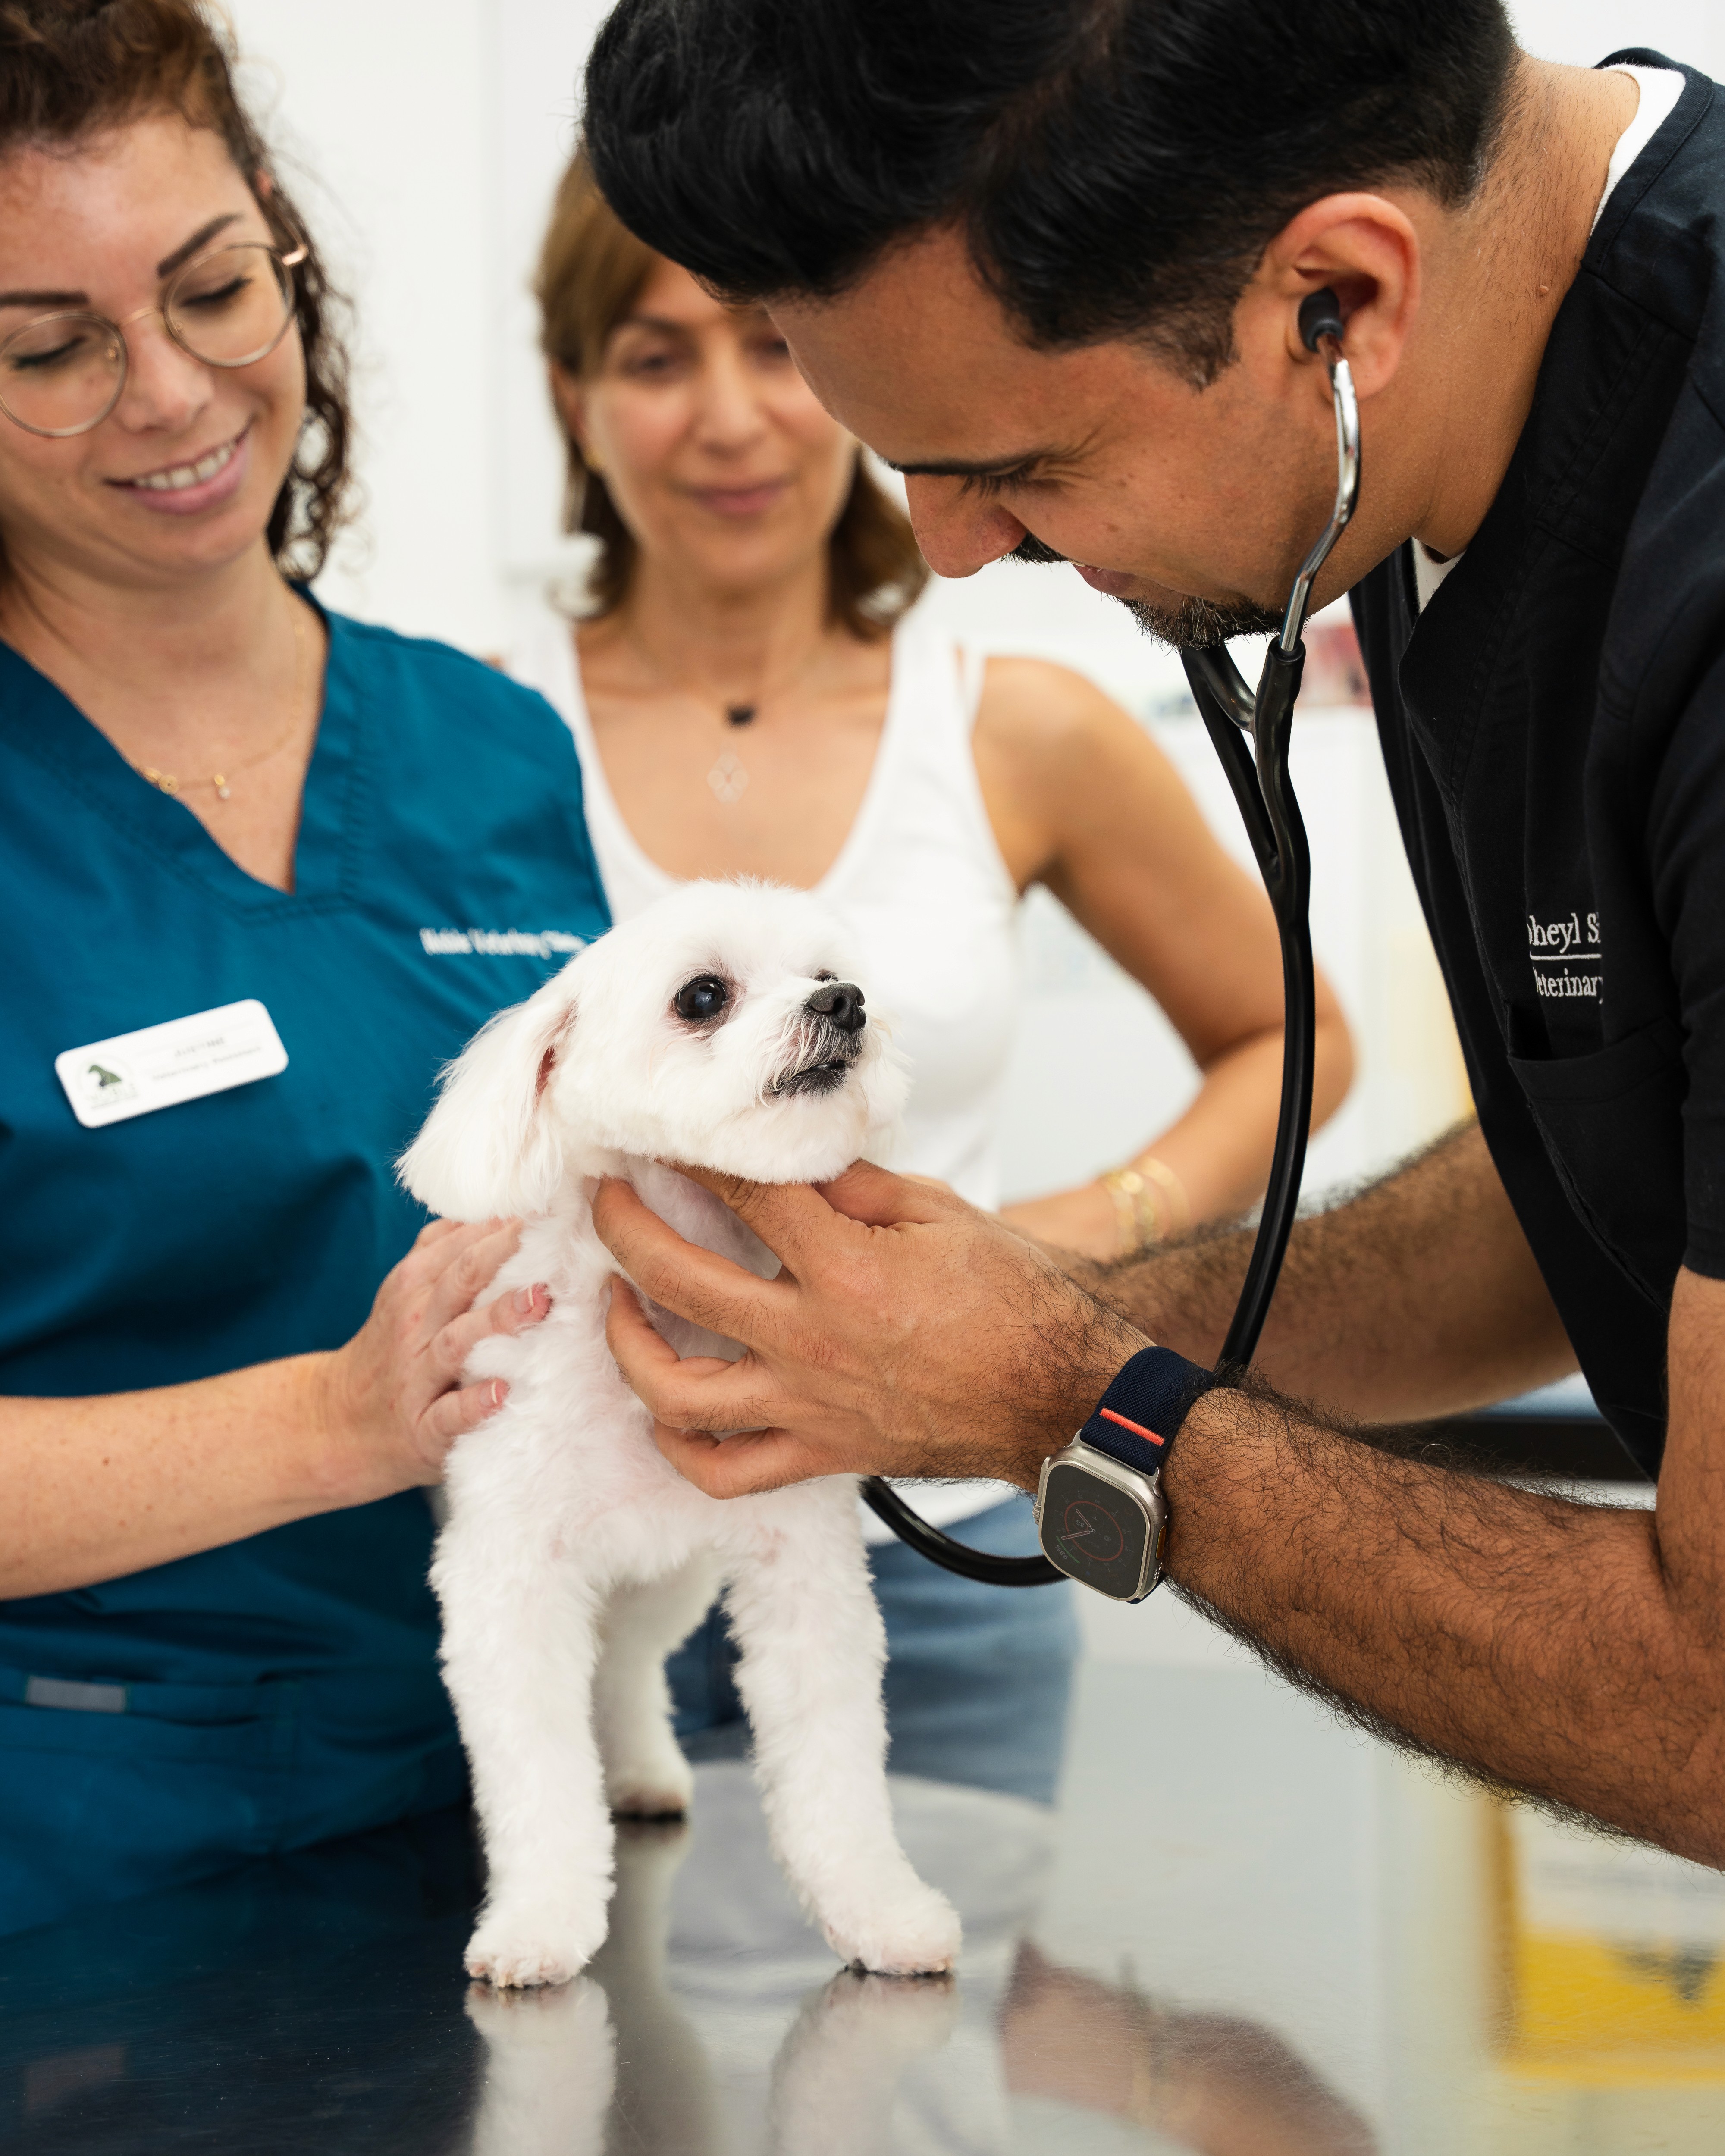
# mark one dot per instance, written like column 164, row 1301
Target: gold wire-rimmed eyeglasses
column 63, row 373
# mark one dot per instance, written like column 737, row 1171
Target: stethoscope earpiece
column 1319, row 317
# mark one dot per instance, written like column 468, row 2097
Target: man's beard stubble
column 1200, row 625
column 1193, row 625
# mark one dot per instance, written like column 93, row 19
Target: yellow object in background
column 1614, row 1959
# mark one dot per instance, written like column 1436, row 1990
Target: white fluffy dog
column 722, row 1028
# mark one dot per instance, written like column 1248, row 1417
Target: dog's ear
column 489, row 1150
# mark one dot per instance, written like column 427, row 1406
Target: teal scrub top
column 284, row 1688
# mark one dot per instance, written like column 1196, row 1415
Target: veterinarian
column 263, row 871
column 752, row 693
column 1048, row 259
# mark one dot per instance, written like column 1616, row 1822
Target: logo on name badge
column 104, row 1087
column 164, row 1066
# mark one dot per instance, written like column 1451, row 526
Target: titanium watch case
column 1101, row 1522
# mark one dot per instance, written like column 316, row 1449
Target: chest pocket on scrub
column 1613, row 1126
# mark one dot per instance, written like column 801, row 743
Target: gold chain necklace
column 170, row 782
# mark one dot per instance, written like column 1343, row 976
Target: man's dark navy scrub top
column 1554, row 729
column 266, row 1695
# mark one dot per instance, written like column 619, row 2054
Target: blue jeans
column 978, row 1678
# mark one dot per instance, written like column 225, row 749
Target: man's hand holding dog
column 907, row 1334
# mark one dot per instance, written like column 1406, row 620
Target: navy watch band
column 1139, row 1416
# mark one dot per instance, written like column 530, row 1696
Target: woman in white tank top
column 739, row 710
column 918, row 878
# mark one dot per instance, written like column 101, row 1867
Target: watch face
column 1095, row 1534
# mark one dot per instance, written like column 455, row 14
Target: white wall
column 434, row 133
column 386, row 117
column 425, row 141
column 1584, row 31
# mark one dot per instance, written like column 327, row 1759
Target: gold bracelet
column 1180, row 1205
column 1145, row 1215
column 1137, row 1216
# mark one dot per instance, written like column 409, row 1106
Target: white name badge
column 158, row 1066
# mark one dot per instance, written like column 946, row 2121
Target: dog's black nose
column 842, row 1003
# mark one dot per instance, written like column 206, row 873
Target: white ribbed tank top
column 919, row 882
column 922, row 886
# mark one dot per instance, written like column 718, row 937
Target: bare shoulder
column 1063, row 767
column 1046, row 723
column 1030, row 699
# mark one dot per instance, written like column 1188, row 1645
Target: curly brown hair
column 591, row 269
column 68, row 68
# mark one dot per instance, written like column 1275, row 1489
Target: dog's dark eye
column 702, row 999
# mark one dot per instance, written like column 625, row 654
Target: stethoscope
column 1264, row 794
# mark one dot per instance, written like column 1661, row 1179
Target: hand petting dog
column 394, row 1395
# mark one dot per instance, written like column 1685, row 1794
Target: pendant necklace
column 221, row 782
column 728, row 779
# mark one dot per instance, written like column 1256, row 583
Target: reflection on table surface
column 1246, row 1930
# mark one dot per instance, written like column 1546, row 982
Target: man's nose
column 841, row 1003
column 959, row 532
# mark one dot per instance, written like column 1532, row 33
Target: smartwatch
column 1100, row 1510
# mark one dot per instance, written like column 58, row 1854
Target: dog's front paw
column 524, row 1947
column 911, row 1932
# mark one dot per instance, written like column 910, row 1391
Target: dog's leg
column 521, row 1639
column 646, row 1775
column 813, row 1648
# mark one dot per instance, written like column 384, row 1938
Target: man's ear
column 489, row 1150
column 1367, row 249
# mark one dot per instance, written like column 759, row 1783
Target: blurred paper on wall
column 1615, row 1958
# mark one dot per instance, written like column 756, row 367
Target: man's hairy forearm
column 1537, row 1642
column 1418, row 1297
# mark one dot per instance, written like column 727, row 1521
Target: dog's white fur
column 574, row 1558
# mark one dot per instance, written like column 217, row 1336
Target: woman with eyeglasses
column 262, row 870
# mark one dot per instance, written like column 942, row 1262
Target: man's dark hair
column 1117, row 166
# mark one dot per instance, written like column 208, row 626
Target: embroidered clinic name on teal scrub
column 502, row 942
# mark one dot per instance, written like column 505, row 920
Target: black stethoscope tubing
column 1252, row 733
